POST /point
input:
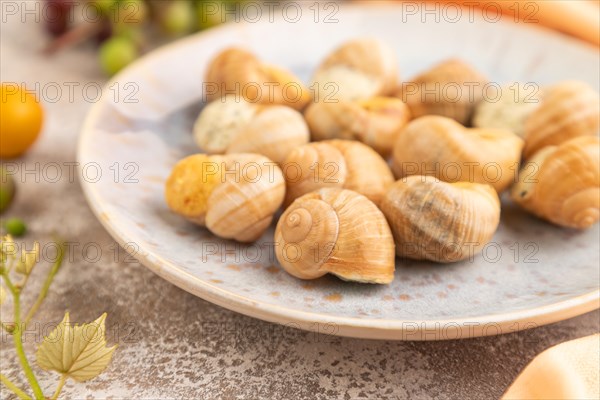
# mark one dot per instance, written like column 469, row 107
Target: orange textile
column 579, row 18
column 570, row 370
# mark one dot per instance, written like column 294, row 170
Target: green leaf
column 78, row 352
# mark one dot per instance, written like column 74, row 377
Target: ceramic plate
column 531, row 274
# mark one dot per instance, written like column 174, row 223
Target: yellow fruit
column 21, row 117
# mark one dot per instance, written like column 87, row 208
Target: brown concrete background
column 174, row 345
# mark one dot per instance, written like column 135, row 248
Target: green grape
column 7, row 189
column 15, row 227
column 129, row 13
column 178, row 18
column 105, row 7
column 116, row 53
column 210, row 13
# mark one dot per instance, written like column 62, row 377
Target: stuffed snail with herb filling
column 358, row 69
column 509, row 109
column 231, row 125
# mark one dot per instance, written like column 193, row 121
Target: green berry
column 106, row 7
column 178, row 18
column 15, row 227
column 211, row 13
column 129, row 13
column 7, row 189
column 116, row 53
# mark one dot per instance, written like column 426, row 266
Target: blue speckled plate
column 532, row 274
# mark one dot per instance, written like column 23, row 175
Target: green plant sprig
column 52, row 352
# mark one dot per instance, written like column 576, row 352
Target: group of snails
column 392, row 169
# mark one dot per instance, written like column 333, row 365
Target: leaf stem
column 61, row 383
column 47, row 283
column 14, row 388
column 18, row 340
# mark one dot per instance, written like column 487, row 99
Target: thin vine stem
column 61, row 383
column 18, row 340
column 14, row 388
column 47, row 283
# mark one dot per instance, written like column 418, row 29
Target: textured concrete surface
column 174, row 345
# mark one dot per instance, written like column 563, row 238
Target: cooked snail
column 336, row 163
column 234, row 196
column 567, row 110
column 335, row 231
column 230, row 126
column 358, row 69
column 509, row 110
column 450, row 89
column 375, row 121
column 562, row 183
column 238, row 71
column 442, row 147
column 220, row 122
column 439, row 221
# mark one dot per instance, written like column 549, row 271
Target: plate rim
column 366, row 328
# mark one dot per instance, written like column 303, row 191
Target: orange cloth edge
column 570, row 370
column 578, row 18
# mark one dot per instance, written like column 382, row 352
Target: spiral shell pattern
column 439, row 221
column 336, row 163
column 335, row 231
column 274, row 132
column 562, row 183
column 234, row 196
column 568, row 109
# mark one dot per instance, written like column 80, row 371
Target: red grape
column 57, row 16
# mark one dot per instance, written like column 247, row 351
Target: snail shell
column 562, row 183
column 238, row 71
column 375, row 122
column 444, row 148
column 508, row 111
column 336, row 163
column 231, row 126
column 273, row 132
column 439, row 221
column 450, row 89
column 335, row 231
column 568, row 109
column 234, row 196
column 358, row 69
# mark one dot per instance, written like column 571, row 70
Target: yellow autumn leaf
column 78, row 352
column 28, row 260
